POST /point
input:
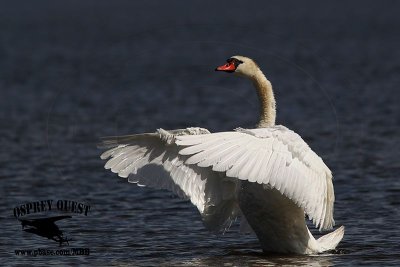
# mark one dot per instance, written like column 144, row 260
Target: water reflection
column 256, row 259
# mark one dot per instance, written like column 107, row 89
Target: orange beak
column 228, row 67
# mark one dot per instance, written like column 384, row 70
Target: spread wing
column 153, row 160
column 273, row 157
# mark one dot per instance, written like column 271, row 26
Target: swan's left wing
column 152, row 159
column 276, row 157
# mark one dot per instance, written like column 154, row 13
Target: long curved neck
column 267, row 100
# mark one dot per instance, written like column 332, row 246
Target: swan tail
column 331, row 240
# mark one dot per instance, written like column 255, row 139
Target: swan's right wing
column 152, row 159
column 274, row 157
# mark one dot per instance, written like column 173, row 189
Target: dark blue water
column 71, row 72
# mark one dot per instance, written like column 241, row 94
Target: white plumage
column 273, row 156
column 268, row 175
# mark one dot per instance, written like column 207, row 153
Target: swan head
column 239, row 65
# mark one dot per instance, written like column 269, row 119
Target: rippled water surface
column 72, row 71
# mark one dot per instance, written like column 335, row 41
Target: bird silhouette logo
column 46, row 227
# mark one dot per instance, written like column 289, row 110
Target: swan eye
column 235, row 61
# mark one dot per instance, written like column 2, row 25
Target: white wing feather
column 153, row 160
column 276, row 157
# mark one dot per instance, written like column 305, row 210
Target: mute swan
column 269, row 176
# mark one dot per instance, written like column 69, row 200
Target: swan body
column 268, row 175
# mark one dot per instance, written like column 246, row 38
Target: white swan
column 267, row 175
